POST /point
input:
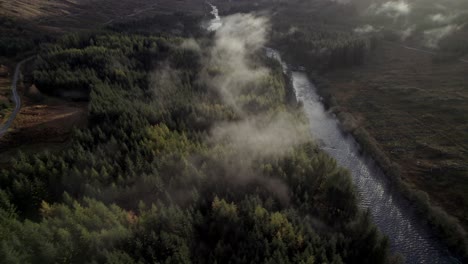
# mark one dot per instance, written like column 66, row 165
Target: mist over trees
column 182, row 161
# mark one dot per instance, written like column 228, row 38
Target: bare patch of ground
column 43, row 121
column 46, row 122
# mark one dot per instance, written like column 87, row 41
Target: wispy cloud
column 343, row 2
column 366, row 29
column 236, row 41
column 406, row 33
column 432, row 37
column 393, row 8
column 442, row 18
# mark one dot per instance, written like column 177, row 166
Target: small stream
column 393, row 215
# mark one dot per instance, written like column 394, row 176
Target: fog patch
column 262, row 136
column 432, row 37
column 258, row 138
column 393, row 9
column 216, row 22
column 406, row 33
column 230, row 69
column 366, row 29
column 342, row 2
column 165, row 82
column 190, row 44
column 293, row 30
column 441, row 18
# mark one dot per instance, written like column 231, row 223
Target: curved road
column 16, row 98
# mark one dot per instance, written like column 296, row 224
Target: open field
column 44, row 123
column 42, row 120
column 416, row 110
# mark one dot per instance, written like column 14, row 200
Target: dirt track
column 16, row 97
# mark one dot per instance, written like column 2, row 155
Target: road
column 16, row 98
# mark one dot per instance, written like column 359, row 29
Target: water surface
column 392, row 215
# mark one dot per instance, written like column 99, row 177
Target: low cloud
column 236, row 42
column 442, row 18
column 366, row 29
column 254, row 139
column 262, row 136
column 393, row 9
column 293, row 30
column 190, row 44
column 166, row 82
column 342, row 2
column 216, row 22
column 231, row 71
column 432, row 37
column 406, row 33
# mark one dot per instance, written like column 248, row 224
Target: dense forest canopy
column 416, row 52
column 190, row 146
column 193, row 154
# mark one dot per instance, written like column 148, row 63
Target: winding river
column 393, row 215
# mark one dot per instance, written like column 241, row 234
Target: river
column 393, row 215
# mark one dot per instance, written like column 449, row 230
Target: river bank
column 376, row 177
column 444, row 226
column 392, row 214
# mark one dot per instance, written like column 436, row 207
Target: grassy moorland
column 416, row 109
column 63, row 16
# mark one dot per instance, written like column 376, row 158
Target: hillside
column 63, row 15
